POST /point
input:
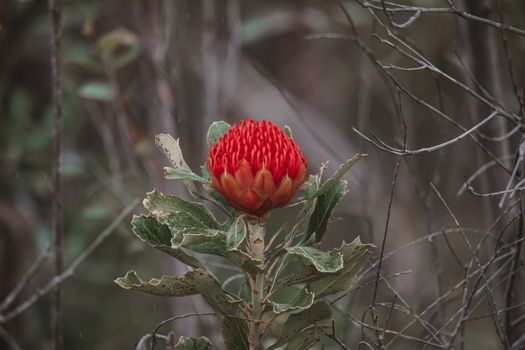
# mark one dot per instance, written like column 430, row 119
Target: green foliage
column 159, row 236
column 296, row 323
column 322, row 261
column 287, row 131
column 327, row 196
column 236, row 234
column 234, row 332
column 302, row 300
column 165, row 286
column 288, row 278
column 172, row 209
column 323, row 210
column 343, row 169
column 355, row 255
column 308, row 337
column 180, row 169
column 216, row 130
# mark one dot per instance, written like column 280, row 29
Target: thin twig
column 70, row 270
column 154, row 335
column 450, row 10
column 25, row 279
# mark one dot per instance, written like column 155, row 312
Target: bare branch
column 70, row 270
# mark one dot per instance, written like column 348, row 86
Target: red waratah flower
column 256, row 166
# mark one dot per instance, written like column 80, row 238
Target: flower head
column 256, row 166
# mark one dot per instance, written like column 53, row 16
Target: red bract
column 256, row 166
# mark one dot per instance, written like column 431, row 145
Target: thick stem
column 256, row 237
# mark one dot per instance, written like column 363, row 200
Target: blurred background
column 406, row 76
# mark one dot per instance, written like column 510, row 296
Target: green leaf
column 322, row 261
column 292, row 227
column 159, row 236
column 208, row 241
column 303, row 300
column 312, row 185
column 222, row 203
column 287, row 131
column 303, row 270
column 170, row 147
column 236, row 233
column 327, row 195
column 308, row 337
column 97, row 90
column 295, row 323
column 205, row 241
column 179, row 174
column 234, row 332
column 150, row 230
column 343, row 169
column 165, row 286
column 355, row 256
column 170, row 209
column 187, row 343
column 323, row 210
column 216, row 130
column 197, row 281
column 215, row 296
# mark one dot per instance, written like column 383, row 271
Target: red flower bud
column 256, row 166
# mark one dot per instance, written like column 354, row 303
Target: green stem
column 256, row 244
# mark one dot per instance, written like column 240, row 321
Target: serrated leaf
column 323, row 261
column 303, row 300
column 187, row 343
column 343, row 169
column 355, row 256
column 170, row 147
column 236, row 233
column 324, row 206
column 150, row 230
column 197, row 281
column 180, row 174
column 295, row 323
column 170, row 209
column 216, row 130
column 234, row 332
column 308, row 337
column 302, row 270
column 165, row 286
column 159, row 236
